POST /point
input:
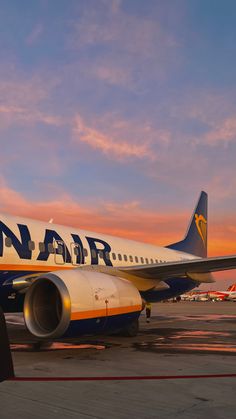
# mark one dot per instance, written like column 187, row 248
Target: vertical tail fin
column 195, row 241
column 232, row 288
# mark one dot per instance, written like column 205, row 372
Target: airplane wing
column 194, row 268
column 150, row 276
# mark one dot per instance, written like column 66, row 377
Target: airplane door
column 76, row 254
column 59, row 252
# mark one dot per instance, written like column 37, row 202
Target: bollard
column 6, row 364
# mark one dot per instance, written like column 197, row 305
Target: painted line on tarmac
column 124, row 378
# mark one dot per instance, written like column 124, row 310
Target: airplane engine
column 76, row 302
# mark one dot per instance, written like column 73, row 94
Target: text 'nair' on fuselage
column 24, row 246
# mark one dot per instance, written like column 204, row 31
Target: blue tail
column 195, row 241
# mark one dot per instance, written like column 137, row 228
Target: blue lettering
column 22, row 247
column 50, row 237
column 98, row 251
column 80, row 256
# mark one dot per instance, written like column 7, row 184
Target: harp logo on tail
column 201, row 224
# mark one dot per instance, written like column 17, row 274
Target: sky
column 115, row 114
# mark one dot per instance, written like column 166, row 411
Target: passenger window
column 60, row 249
column 125, row 258
column 107, row 254
column 142, row 260
column 156, row 260
column 42, row 247
column 100, row 254
column 31, row 245
column 131, row 258
column 76, row 250
column 136, row 259
column 50, row 248
column 151, row 260
column 85, row 252
column 93, row 253
column 147, row 261
column 8, row 242
column 113, row 256
column 119, row 257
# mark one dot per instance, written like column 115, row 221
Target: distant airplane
column 229, row 294
column 70, row 282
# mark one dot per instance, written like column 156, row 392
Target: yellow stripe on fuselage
column 104, row 312
column 35, row 268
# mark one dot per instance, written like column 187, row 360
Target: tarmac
column 193, row 339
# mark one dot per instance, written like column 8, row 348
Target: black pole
column 6, row 364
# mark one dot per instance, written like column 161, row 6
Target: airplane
column 197, row 295
column 70, row 282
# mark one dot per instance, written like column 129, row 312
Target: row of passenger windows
column 131, row 258
column 50, row 247
column 60, row 250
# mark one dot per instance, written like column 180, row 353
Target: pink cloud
column 113, row 74
column 20, row 101
column 109, row 145
column 224, row 131
column 12, row 114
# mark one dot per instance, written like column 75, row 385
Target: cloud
column 107, row 24
column 112, row 74
column 13, row 114
column 111, row 146
column 16, row 90
column 131, row 49
column 223, row 132
column 21, row 101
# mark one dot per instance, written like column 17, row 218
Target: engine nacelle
column 76, row 302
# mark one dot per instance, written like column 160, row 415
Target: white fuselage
column 31, row 245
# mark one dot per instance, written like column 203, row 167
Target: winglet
column 195, row 241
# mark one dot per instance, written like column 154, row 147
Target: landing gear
column 131, row 330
